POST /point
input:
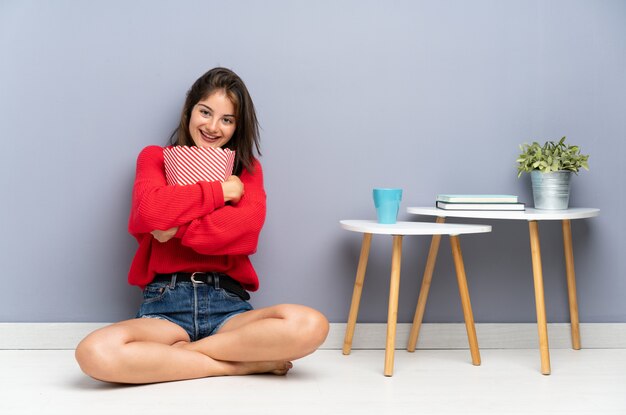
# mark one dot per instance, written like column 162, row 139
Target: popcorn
column 189, row 165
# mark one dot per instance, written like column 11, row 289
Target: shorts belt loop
column 193, row 279
column 216, row 280
column 173, row 281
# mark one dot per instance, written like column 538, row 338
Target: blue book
column 458, row 198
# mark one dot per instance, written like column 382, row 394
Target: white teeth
column 209, row 136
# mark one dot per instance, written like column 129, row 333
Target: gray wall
column 430, row 96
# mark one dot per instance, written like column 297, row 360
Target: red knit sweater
column 212, row 236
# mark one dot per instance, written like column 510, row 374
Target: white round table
column 528, row 214
column 533, row 216
column 398, row 230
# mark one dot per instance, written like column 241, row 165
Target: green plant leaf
column 551, row 156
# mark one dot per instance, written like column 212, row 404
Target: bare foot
column 248, row 368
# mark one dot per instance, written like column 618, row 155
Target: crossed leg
column 152, row 350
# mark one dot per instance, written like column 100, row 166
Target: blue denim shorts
column 199, row 308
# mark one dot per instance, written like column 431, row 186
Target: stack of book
column 478, row 202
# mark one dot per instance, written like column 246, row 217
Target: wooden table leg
column 571, row 283
column 392, row 316
column 542, row 325
column 465, row 299
column 423, row 296
column 356, row 293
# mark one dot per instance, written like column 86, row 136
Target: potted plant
column 550, row 166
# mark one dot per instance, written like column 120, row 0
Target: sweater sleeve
column 233, row 229
column 157, row 205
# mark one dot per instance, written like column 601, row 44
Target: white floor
column 588, row 381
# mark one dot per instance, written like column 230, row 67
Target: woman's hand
column 232, row 189
column 164, row 236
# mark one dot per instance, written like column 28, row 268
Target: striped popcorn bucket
column 189, row 165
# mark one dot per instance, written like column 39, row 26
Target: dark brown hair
column 246, row 136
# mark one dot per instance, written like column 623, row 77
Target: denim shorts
column 199, row 308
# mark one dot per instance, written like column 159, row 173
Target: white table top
column 528, row 214
column 412, row 228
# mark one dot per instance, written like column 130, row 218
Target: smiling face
column 212, row 122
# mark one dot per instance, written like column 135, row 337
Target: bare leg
column 278, row 333
column 142, row 351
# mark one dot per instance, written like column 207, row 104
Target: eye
column 228, row 121
column 204, row 112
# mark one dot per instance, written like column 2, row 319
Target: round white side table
column 398, row 230
column 533, row 216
